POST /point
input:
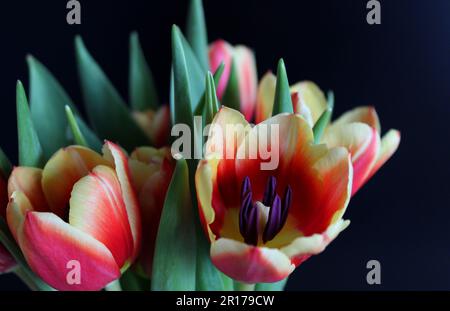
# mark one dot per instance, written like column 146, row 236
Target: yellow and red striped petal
column 28, row 180
column 265, row 97
column 311, row 96
column 50, row 246
column 389, row 144
column 250, row 264
column 245, row 63
column 221, row 51
column 363, row 114
column 62, row 171
column 97, row 208
column 122, row 169
column 304, row 247
column 363, row 143
column 18, row 207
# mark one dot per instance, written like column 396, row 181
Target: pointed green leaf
column 131, row 281
column 324, row 119
column 47, row 101
column 195, row 73
column 211, row 105
column 283, row 101
column 175, row 251
column 196, row 33
column 30, row 150
column 47, row 104
column 106, row 109
column 182, row 91
column 231, row 97
column 78, row 136
column 217, row 76
column 143, row 94
column 277, row 286
column 208, row 277
column 5, row 165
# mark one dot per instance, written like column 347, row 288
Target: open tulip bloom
column 135, row 213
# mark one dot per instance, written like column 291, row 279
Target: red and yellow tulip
column 151, row 171
column 155, row 124
column 245, row 66
column 264, row 223
column 6, row 260
column 358, row 130
column 80, row 207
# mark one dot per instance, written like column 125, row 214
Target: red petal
column 49, row 245
column 97, row 208
column 221, row 51
column 128, row 193
column 28, row 181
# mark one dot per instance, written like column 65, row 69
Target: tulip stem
column 114, row 286
column 238, row 286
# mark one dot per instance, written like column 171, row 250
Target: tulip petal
column 311, row 96
column 156, row 125
column 265, row 97
column 97, row 208
column 389, row 144
column 128, row 194
column 248, row 80
column 28, row 181
column 250, row 264
column 62, row 171
column 304, row 247
column 364, row 114
column 50, row 246
column 221, row 51
column 17, row 208
column 363, row 143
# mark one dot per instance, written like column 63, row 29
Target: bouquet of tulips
column 186, row 196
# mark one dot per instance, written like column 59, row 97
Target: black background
column 402, row 216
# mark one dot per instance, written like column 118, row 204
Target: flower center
column 265, row 218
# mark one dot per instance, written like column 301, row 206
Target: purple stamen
column 249, row 213
column 273, row 221
column 269, row 193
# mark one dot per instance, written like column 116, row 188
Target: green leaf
column 217, row 76
column 231, row 97
column 47, row 101
column 195, row 73
column 92, row 140
column 211, row 105
column 208, row 277
column 30, row 150
column 106, row 109
column 277, row 286
column 324, row 119
column 143, row 94
column 175, row 251
column 182, row 91
column 196, row 33
column 131, row 281
column 5, row 165
column 78, row 136
column 47, row 104
column 283, row 101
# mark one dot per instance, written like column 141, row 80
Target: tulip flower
column 155, row 124
column 264, row 223
column 245, row 66
column 151, row 171
column 6, row 260
column 81, row 208
column 358, row 130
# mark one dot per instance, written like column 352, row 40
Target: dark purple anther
column 249, row 213
column 269, row 193
column 273, row 221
